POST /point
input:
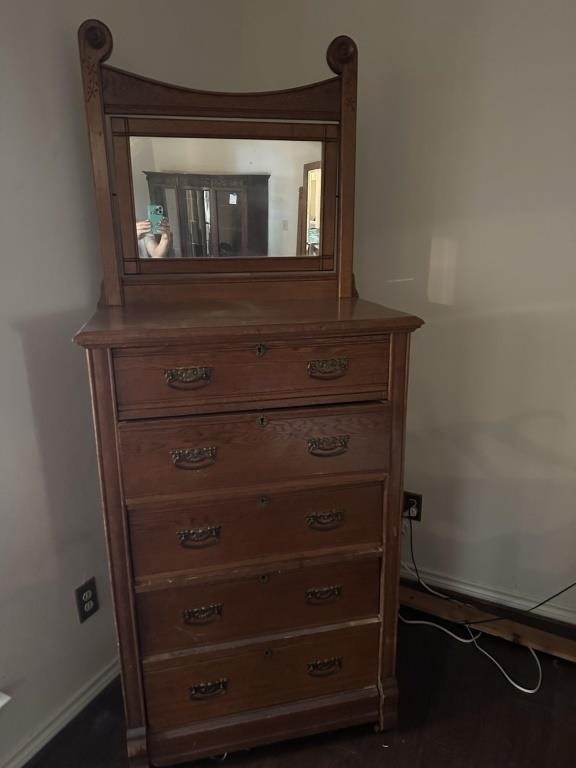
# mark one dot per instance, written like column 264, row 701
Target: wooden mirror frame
column 121, row 104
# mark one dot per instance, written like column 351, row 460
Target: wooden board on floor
column 515, row 631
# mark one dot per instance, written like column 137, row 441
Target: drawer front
column 183, row 456
column 286, row 597
column 243, row 528
column 181, row 379
column 202, row 686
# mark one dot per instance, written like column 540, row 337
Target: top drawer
column 180, row 380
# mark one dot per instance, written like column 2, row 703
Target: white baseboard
column 33, row 744
column 442, row 581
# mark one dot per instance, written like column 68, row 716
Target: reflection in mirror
column 202, row 198
column 309, row 211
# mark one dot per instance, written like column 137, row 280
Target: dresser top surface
column 142, row 324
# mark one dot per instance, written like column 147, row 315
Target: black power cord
column 455, row 600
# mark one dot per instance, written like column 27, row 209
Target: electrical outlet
column 412, row 507
column 87, row 600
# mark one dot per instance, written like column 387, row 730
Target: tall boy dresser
column 249, row 412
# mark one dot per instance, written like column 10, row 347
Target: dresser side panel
column 400, row 343
column 119, row 557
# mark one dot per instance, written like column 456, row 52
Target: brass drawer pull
column 196, row 538
column 326, row 447
column 324, row 595
column 188, row 378
column 205, row 614
column 334, row 368
column 193, row 458
column 325, row 521
column 206, row 690
column 325, row 667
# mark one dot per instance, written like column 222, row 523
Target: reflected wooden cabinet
column 250, row 417
column 213, row 214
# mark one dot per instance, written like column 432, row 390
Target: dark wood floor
column 456, row 712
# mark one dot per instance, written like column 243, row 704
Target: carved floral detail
column 92, row 79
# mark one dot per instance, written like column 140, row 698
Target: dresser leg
column 137, row 748
column 138, row 762
column 388, row 706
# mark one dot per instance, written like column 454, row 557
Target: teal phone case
column 155, row 216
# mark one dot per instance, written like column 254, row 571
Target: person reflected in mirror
column 152, row 246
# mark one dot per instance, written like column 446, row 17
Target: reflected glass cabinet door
column 213, row 215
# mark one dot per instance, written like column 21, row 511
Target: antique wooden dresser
column 249, row 413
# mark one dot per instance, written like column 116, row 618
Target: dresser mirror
column 197, row 190
column 205, row 198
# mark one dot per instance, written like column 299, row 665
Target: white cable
column 503, row 671
column 465, row 640
column 473, row 638
column 427, row 587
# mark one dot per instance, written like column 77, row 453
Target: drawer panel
column 286, row 721
column 234, row 530
column 183, row 691
column 287, row 597
column 182, row 379
column 175, row 457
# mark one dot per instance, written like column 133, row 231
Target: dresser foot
column 138, row 762
column 137, row 749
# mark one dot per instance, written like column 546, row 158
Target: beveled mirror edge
column 109, row 93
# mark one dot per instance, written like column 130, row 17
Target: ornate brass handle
column 328, row 369
column 193, row 458
column 324, row 667
column 206, row 690
column 325, row 521
column 324, row 595
column 196, row 538
column 188, row 378
column 326, row 447
column 205, row 614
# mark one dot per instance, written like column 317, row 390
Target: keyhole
column 262, row 421
column 268, row 652
column 264, row 578
column 261, row 350
column 264, row 501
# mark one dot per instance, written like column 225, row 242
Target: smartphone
column 155, row 216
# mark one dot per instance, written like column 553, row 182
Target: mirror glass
column 214, row 198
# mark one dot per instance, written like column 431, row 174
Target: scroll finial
column 341, row 51
column 95, row 37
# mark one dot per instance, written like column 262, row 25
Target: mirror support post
column 342, row 57
column 95, row 43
